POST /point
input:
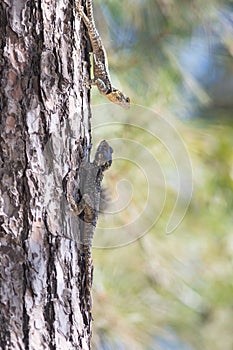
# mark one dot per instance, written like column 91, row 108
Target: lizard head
column 116, row 96
column 103, row 156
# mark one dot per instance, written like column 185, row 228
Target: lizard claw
column 87, row 82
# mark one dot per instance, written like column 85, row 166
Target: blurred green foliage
column 171, row 291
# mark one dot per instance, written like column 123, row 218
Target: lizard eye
column 127, row 100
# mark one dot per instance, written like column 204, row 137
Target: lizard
column 100, row 61
column 85, row 204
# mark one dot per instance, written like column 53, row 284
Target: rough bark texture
column 44, row 119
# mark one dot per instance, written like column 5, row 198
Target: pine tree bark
column 45, row 117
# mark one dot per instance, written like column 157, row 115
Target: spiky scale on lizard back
column 100, row 69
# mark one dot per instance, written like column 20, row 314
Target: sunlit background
column 154, row 290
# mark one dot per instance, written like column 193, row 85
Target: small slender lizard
column 86, row 206
column 101, row 74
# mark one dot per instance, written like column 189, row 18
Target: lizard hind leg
column 82, row 14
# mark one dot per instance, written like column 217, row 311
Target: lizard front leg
column 78, row 208
column 102, row 87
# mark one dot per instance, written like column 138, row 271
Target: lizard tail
column 95, row 38
column 90, row 14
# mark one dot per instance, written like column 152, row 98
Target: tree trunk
column 45, row 121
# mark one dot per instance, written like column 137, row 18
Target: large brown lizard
column 101, row 74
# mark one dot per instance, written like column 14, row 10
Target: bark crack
column 25, row 314
column 51, row 282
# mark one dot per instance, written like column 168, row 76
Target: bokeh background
column 166, row 291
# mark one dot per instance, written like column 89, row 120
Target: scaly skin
column 86, row 206
column 101, row 74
